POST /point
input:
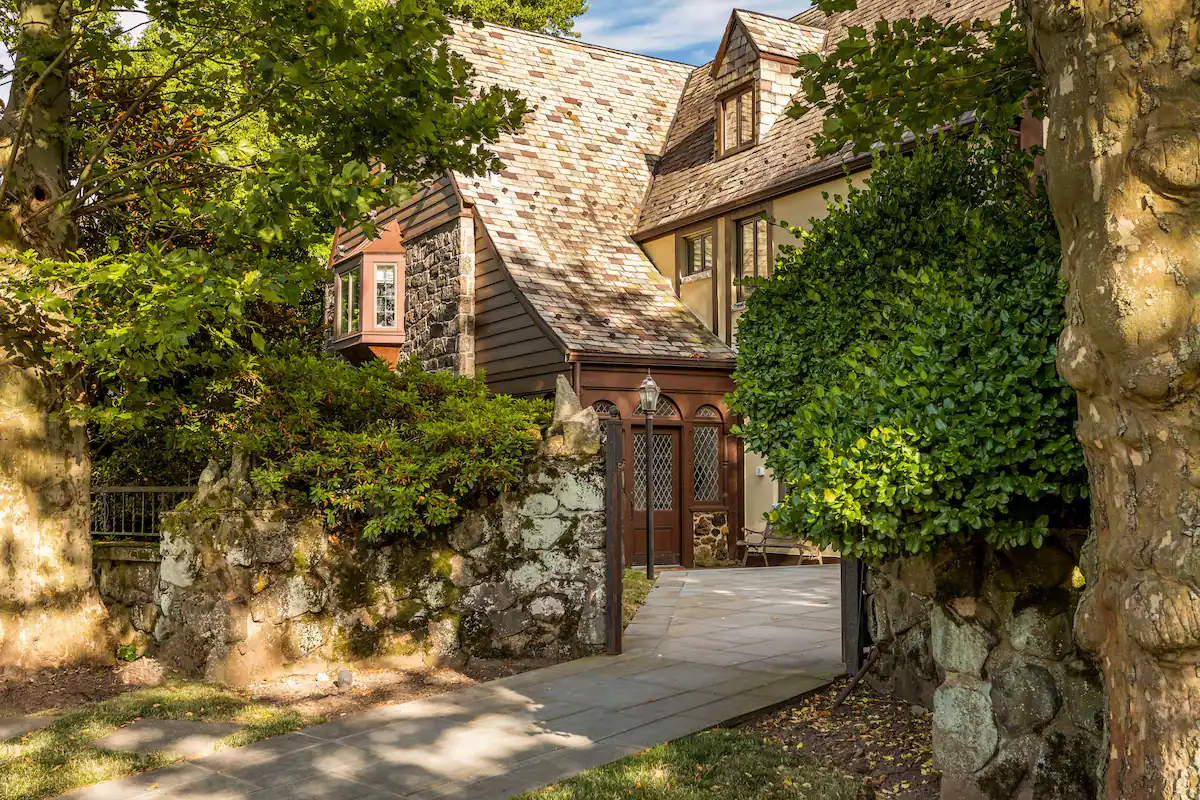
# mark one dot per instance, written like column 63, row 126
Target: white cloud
column 666, row 26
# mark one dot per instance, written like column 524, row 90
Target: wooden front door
column 667, row 495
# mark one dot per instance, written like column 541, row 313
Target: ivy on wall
column 898, row 368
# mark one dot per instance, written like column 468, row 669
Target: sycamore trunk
column 50, row 610
column 1123, row 170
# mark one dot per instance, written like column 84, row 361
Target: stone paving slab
column 177, row 736
column 16, row 727
column 723, row 645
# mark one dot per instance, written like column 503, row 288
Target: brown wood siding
column 512, row 350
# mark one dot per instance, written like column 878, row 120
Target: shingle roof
column 780, row 37
column 690, row 183
column 562, row 212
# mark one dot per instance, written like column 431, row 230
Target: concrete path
column 708, row 647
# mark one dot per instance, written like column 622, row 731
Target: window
column 665, row 408
column 737, row 121
column 698, row 253
column 606, row 408
column 752, row 252
column 385, row 295
column 706, row 464
column 349, row 302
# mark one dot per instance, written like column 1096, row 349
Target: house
column 609, row 246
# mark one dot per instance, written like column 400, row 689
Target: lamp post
column 648, row 394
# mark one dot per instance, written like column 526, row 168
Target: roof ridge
column 789, row 20
column 478, row 24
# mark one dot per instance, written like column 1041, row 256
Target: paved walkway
column 708, row 647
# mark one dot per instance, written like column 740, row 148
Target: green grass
column 714, row 765
column 63, row 757
column 635, row 587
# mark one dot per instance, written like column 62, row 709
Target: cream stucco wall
column 798, row 209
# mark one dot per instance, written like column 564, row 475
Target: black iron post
column 649, row 496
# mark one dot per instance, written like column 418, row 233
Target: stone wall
column 249, row 589
column 439, row 296
column 984, row 639
column 710, row 538
column 127, row 577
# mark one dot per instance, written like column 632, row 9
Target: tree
column 897, row 369
column 549, row 16
column 1122, row 165
column 343, row 88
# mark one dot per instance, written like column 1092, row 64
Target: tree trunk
column 50, row 610
column 1123, row 171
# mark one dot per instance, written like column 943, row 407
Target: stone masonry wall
column 984, row 638
column 127, row 577
column 439, row 292
column 247, row 589
column 710, row 538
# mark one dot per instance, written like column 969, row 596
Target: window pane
column 356, row 299
column 705, row 465
column 762, row 263
column 385, row 295
column 746, row 126
column 344, row 303
column 730, row 114
column 708, row 254
column 663, row 478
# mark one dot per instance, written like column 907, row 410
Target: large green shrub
column 898, row 369
column 384, row 454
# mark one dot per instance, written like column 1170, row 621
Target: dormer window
column 738, row 128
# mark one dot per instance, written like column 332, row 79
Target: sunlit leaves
column 898, row 369
column 916, row 76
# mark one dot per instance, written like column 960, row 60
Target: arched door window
column 666, row 408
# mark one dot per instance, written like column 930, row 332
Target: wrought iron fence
column 133, row 514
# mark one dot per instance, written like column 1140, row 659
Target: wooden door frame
column 689, row 386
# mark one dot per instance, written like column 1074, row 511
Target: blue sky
column 682, row 30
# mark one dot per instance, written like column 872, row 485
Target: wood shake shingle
column 562, row 211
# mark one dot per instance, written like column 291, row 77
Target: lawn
column 62, row 757
column 714, row 765
column 635, row 588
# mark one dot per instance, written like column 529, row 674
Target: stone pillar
column 439, row 291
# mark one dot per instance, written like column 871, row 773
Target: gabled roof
column 562, row 212
column 690, row 183
column 774, row 36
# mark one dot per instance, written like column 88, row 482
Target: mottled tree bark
column 50, row 610
column 1123, row 170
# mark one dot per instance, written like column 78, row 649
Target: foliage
column 63, row 756
column 208, row 153
column 548, row 16
column 635, row 588
column 715, row 765
column 898, row 369
column 382, row 453
column 918, row 75
column 127, row 652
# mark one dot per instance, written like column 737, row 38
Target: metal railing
column 133, row 514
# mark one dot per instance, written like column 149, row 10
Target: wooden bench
column 760, row 543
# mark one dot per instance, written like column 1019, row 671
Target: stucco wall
column 249, row 588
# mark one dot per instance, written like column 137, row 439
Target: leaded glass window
column 708, row 412
column 665, row 408
column 706, row 471
column 664, row 472
column 385, row 295
column 606, row 408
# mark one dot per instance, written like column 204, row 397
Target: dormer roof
column 773, row 37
